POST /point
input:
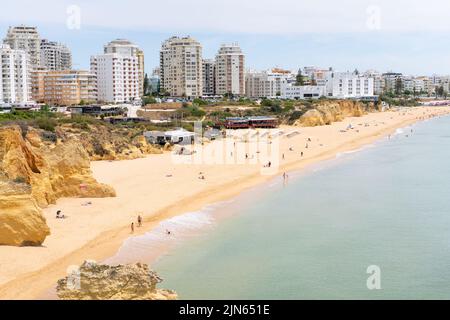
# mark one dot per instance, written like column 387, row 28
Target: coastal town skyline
column 366, row 38
column 118, row 75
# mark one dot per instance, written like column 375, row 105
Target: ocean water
column 385, row 205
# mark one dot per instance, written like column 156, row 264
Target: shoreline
column 106, row 243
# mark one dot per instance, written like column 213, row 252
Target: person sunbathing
column 59, row 215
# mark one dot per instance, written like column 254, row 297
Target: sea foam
column 151, row 245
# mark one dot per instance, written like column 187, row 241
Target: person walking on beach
column 132, row 227
column 301, row 154
column 139, row 221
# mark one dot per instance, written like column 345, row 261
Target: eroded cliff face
column 21, row 221
column 104, row 143
column 327, row 112
column 35, row 173
column 94, row 281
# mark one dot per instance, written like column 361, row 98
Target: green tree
column 398, row 86
column 199, row 102
column 146, row 84
column 148, row 100
column 300, row 79
column 439, row 91
column 45, row 108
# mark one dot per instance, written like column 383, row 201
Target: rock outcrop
column 104, row 143
column 52, row 170
column 35, row 173
column 327, row 112
column 21, row 221
column 92, row 281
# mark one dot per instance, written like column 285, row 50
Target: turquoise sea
column 387, row 205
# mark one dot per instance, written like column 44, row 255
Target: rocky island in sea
column 92, row 281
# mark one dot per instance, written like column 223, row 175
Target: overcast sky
column 407, row 36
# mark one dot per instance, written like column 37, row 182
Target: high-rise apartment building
column 118, row 73
column 230, row 70
column 15, row 86
column 25, row 38
column 64, row 88
column 181, row 67
column 55, row 56
column 209, row 77
column 127, row 48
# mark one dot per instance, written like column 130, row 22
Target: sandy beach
column 157, row 188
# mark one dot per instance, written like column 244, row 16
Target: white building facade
column 25, row 38
column 127, row 48
column 331, row 84
column 55, row 56
column 181, row 67
column 118, row 77
column 266, row 84
column 15, row 86
column 345, row 85
column 293, row 92
column 230, row 70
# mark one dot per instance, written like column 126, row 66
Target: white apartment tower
column 55, row 56
column 344, row 85
column 118, row 74
column 125, row 47
column 25, row 38
column 209, row 69
column 230, row 70
column 15, row 87
column 181, row 67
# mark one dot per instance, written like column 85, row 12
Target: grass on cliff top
column 46, row 120
column 42, row 119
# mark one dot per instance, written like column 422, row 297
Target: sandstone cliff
column 102, row 282
column 105, row 143
column 21, row 221
column 35, row 173
column 327, row 112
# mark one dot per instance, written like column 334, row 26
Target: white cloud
column 237, row 16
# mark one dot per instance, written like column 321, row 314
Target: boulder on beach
column 92, row 281
column 21, row 221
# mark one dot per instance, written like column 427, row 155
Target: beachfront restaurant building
column 263, row 122
column 250, row 122
column 236, row 123
column 178, row 136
